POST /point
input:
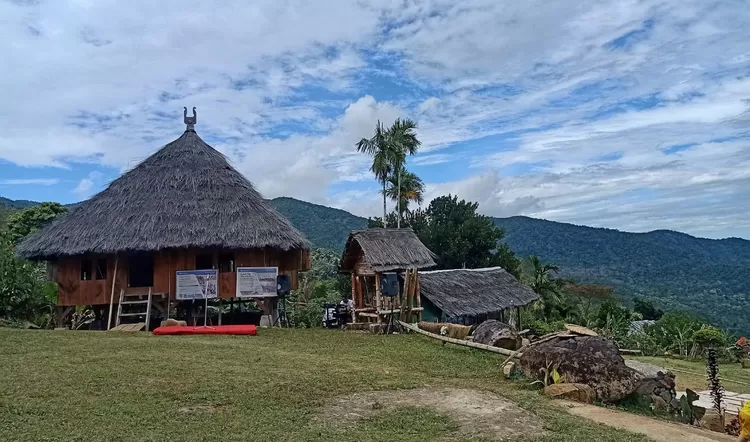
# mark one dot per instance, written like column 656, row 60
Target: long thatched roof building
column 183, row 209
column 472, row 295
column 384, row 250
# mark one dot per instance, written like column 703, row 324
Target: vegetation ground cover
column 97, row 386
column 691, row 373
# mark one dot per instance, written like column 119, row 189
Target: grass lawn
column 95, row 386
column 692, row 373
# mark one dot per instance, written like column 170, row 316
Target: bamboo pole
column 112, row 294
column 490, row 348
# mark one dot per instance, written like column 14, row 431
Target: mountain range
column 676, row 270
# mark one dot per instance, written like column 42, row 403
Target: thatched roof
column 386, row 250
column 184, row 195
column 474, row 292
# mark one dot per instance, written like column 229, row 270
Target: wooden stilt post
column 355, row 306
column 418, row 296
column 378, row 297
column 112, row 293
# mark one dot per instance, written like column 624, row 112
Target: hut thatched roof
column 474, row 292
column 386, row 250
column 184, row 195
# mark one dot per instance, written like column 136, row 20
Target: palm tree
column 383, row 155
column 411, row 188
column 402, row 135
column 544, row 285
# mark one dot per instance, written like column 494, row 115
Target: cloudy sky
column 622, row 114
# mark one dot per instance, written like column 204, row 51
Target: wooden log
column 489, row 348
column 418, row 295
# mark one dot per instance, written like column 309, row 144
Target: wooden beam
column 378, row 297
column 112, row 293
column 502, row 351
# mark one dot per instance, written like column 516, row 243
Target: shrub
column 710, row 337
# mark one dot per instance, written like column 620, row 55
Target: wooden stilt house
column 183, row 208
column 372, row 253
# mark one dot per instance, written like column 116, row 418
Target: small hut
column 471, row 296
column 371, row 253
column 184, row 208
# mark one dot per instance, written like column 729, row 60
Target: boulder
column 589, row 360
column 575, row 392
column 658, row 403
column 497, row 334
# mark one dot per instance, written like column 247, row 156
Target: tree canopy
column 458, row 235
column 28, row 220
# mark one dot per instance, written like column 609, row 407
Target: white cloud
column 88, row 186
column 285, row 89
column 30, row 181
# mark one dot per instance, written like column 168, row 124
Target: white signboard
column 256, row 282
column 197, row 284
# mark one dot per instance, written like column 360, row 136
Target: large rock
column 575, row 392
column 497, row 334
column 588, row 360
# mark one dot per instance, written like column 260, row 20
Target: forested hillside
column 677, row 270
column 324, row 226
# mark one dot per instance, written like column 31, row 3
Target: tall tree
column 27, row 221
column 409, row 188
column 403, row 136
column 460, row 237
column 383, row 154
column 389, row 149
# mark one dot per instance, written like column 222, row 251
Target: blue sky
column 622, row 114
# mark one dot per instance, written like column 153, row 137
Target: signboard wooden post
column 198, row 284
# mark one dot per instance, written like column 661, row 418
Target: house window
column 204, row 261
column 141, row 271
column 226, row 263
column 86, row 266
column 101, row 269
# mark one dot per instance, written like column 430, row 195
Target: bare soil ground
column 657, row 430
column 476, row 413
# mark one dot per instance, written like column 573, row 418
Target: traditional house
column 183, row 208
column 471, row 296
column 372, row 253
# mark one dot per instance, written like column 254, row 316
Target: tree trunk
column 398, row 200
column 384, row 209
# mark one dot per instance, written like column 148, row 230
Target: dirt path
column 657, row 430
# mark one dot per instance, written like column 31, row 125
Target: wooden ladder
column 134, row 299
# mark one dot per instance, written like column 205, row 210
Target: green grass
column 691, row 373
column 94, row 386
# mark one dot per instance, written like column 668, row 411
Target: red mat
column 217, row 330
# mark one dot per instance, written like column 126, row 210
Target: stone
column 658, row 403
column 173, row 323
column 575, row 392
column 496, row 334
column 509, row 370
column 711, row 420
column 666, row 396
column 589, row 360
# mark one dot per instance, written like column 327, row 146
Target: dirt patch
column 659, row 431
column 477, row 413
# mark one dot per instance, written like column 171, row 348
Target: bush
column 24, row 294
column 710, row 337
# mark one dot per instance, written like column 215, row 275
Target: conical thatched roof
column 386, row 249
column 184, row 195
